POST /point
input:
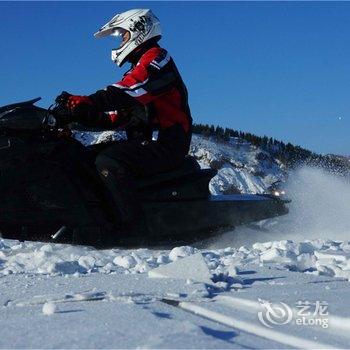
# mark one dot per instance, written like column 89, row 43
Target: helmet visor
column 122, row 36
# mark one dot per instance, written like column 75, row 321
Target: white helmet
column 134, row 27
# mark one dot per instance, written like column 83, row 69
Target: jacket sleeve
column 111, row 99
column 148, row 80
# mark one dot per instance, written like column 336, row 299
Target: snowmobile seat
column 189, row 166
column 187, row 181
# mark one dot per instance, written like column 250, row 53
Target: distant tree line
column 290, row 155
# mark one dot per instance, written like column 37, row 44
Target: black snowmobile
column 43, row 197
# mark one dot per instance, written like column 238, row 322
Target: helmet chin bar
column 117, row 57
column 114, row 56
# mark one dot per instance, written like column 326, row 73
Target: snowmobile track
column 198, row 311
column 339, row 324
column 247, row 327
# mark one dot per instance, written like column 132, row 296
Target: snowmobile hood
column 22, row 116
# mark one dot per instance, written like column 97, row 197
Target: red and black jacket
column 153, row 81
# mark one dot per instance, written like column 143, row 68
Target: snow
column 240, row 165
column 191, row 268
column 49, row 308
column 204, row 298
column 321, row 257
column 93, row 138
column 180, row 252
column 126, row 262
column 215, row 295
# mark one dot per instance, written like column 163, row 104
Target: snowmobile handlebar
column 26, row 118
column 58, row 116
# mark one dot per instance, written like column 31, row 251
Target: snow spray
column 320, row 208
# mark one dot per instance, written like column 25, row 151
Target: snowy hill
column 241, row 166
column 281, row 284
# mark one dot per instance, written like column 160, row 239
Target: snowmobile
column 45, row 198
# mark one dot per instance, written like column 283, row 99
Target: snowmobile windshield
column 122, row 36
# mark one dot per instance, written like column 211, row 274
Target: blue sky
column 275, row 68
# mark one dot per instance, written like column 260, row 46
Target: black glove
column 62, row 99
column 75, row 108
column 61, row 112
column 83, row 109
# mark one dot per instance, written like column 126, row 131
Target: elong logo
column 274, row 314
column 306, row 313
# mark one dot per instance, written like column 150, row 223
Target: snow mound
column 49, row 308
column 319, row 257
column 192, row 268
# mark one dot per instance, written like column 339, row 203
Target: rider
column 150, row 96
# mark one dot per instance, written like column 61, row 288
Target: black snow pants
column 120, row 164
